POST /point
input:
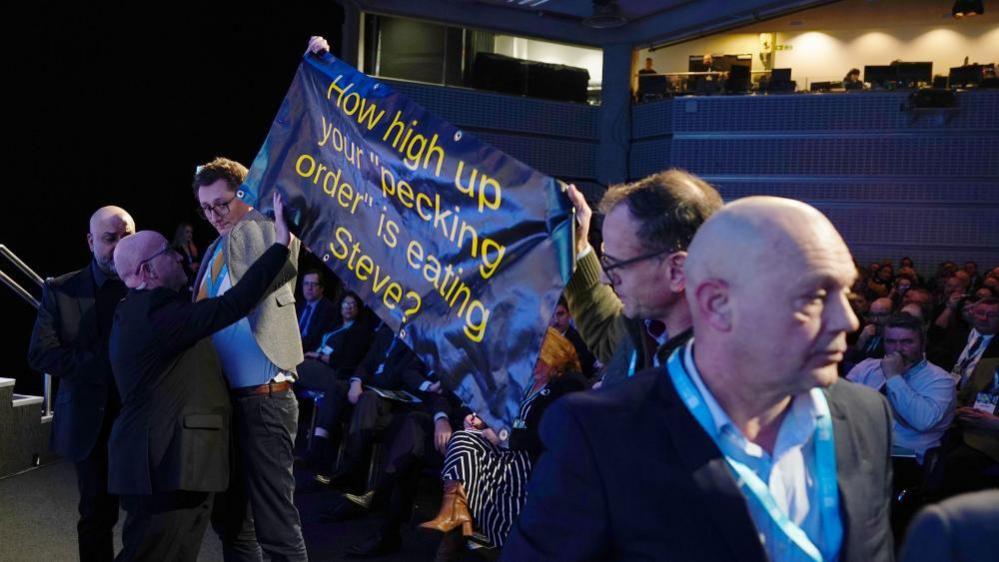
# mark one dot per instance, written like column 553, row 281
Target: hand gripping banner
column 456, row 245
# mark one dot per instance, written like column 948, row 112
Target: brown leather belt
column 269, row 388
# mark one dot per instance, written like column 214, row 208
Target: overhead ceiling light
column 606, row 15
column 964, row 8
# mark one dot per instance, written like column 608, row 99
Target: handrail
column 30, row 299
column 7, row 253
column 19, row 290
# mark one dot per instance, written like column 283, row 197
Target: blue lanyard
column 754, row 489
column 632, row 363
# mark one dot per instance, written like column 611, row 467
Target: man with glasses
column 870, row 340
column 259, row 354
column 70, row 341
column 629, row 305
column 169, row 448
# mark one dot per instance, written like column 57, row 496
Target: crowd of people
column 705, row 390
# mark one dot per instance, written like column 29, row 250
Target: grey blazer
column 273, row 320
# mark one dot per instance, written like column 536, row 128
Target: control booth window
column 421, row 51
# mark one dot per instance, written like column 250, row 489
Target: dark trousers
column 265, row 436
column 167, row 526
column 371, row 417
column 232, row 519
column 98, row 509
column 410, row 450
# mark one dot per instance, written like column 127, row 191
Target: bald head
column 882, row 305
column 145, row 261
column 767, row 283
column 759, row 236
column 108, row 225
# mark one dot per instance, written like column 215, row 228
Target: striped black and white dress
column 495, row 479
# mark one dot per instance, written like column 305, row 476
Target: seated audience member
column 389, row 366
column 316, row 314
column 960, row 529
column 974, row 280
column 183, row 244
column 981, row 341
column 870, row 341
column 418, row 440
column 970, row 457
column 485, row 486
column 879, row 285
column 341, row 350
column 921, row 394
column 916, row 311
column 169, row 449
column 852, row 80
column 923, row 298
column 562, row 322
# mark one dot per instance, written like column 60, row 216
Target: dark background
column 117, row 104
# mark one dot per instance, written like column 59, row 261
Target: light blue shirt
column 922, row 400
column 788, row 473
column 243, row 362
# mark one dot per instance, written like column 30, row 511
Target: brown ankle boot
column 454, row 511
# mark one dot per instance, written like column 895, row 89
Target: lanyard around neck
column 753, row 487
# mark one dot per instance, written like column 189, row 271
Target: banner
column 459, row 247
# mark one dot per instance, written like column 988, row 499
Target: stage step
column 24, row 432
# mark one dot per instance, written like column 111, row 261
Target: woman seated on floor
column 485, row 486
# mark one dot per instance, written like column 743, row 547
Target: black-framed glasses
column 166, row 248
column 218, row 209
column 610, row 264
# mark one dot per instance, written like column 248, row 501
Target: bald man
column 169, row 448
column 745, row 446
column 70, row 341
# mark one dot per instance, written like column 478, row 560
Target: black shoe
column 362, row 500
column 377, row 545
column 341, row 511
column 342, row 481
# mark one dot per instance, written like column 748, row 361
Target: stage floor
column 38, row 522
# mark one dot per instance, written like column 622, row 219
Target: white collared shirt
column 788, row 472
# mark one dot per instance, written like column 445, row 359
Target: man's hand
column 317, row 44
column 435, row 388
column 280, row 225
column 866, row 334
column 354, row 394
column 955, row 298
column 583, row 217
column 311, row 355
column 975, row 418
column 442, row 434
column 893, row 364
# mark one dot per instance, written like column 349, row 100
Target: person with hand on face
column 70, row 341
column 921, row 394
column 169, row 448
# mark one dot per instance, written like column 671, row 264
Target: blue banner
column 461, row 248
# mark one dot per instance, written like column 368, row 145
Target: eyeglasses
column 218, row 209
column 609, row 264
column 166, row 248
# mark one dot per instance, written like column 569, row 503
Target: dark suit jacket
column 323, row 318
column 173, row 429
column 586, row 358
column 528, row 438
column 403, row 369
column 962, row 528
column 65, row 344
column 629, row 474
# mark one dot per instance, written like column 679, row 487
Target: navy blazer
column 65, row 344
column 628, row 474
column 324, row 317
